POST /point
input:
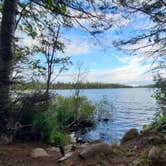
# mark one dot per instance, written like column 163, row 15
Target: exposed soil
column 19, row 155
column 128, row 154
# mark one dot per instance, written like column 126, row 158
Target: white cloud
column 133, row 72
column 29, row 42
column 76, row 47
column 117, row 20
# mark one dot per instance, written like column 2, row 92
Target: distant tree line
column 70, row 85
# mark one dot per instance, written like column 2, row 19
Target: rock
column 67, row 155
column 136, row 163
column 39, row 152
column 84, row 145
column 96, row 149
column 105, row 119
column 53, row 149
column 132, row 133
column 153, row 154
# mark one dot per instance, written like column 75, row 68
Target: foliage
column 64, row 110
column 150, row 39
column 32, row 111
column 51, row 123
column 102, row 108
column 46, row 124
column 160, row 95
column 39, row 20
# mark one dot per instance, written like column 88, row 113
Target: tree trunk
column 7, row 32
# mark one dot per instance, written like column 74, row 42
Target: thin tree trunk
column 48, row 79
column 6, row 51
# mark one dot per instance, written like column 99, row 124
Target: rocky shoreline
column 136, row 149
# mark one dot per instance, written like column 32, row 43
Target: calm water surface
column 132, row 108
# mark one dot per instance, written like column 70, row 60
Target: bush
column 160, row 96
column 46, row 124
column 65, row 111
column 50, row 122
column 39, row 124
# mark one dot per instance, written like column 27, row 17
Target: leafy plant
column 160, row 95
column 46, row 124
column 63, row 110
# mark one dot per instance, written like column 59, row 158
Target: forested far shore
column 61, row 85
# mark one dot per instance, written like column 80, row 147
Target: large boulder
column 154, row 154
column 131, row 134
column 38, row 152
column 96, row 149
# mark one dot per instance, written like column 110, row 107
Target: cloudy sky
column 104, row 62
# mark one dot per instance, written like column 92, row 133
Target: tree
column 50, row 47
column 79, row 76
column 152, row 39
column 30, row 16
column 7, row 32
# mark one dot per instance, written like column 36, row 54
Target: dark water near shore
column 130, row 108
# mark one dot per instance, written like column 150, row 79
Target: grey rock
column 38, row 152
column 96, row 149
column 153, row 154
column 131, row 134
column 136, row 163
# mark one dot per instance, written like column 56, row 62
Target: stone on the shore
column 132, row 133
column 137, row 163
column 153, row 154
column 96, row 149
column 39, row 152
column 84, row 145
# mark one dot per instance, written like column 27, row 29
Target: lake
column 130, row 108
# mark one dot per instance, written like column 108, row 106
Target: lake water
column 130, row 108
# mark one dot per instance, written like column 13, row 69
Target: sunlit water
column 131, row 108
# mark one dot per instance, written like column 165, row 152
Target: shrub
column 160, row 95
column 46, row 124
column 51, row 121
column 65, row 111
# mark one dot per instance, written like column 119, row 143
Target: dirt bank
column 134, row 152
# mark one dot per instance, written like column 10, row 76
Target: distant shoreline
column 66, row 86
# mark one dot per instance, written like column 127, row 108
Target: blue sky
column 104, row 62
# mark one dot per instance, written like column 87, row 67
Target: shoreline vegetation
column 88, row 85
